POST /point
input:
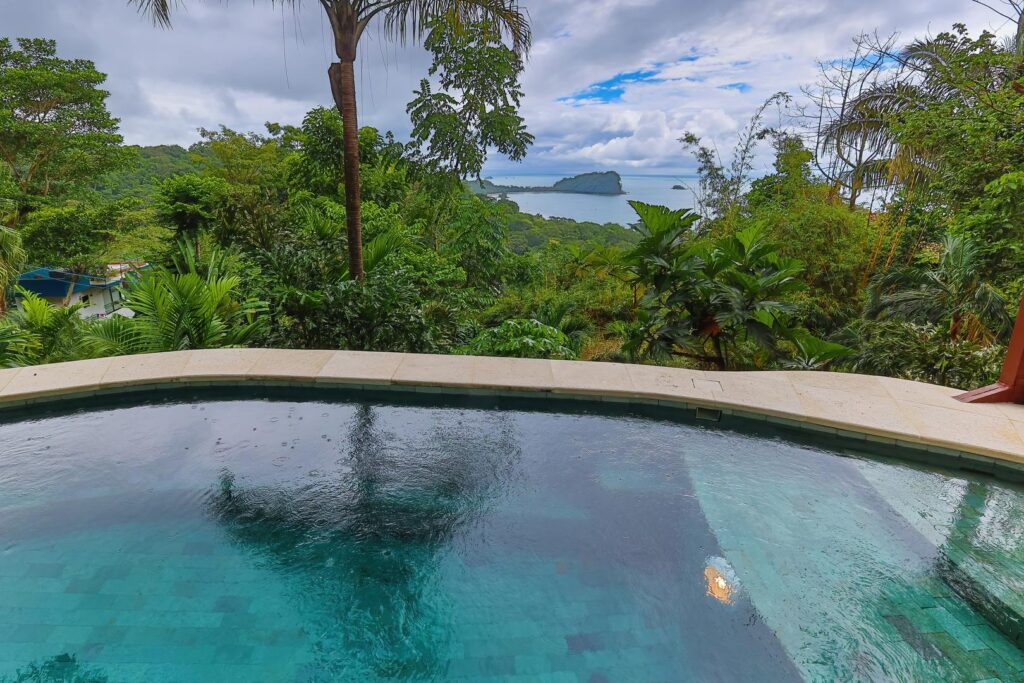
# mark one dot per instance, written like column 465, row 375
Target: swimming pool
column 356, row 537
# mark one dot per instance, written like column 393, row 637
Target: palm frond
column 116, row 336
column 12, row 256
column 951, row 292
column 410, row 20
column 161, row 12
column 157, row 10
column 17, row 346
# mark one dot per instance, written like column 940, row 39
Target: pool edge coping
column 883, row 410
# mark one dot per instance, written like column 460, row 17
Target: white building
column 99, row 297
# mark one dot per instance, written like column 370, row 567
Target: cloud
column 609, row 83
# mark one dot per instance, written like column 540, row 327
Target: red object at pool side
column 1010, row 387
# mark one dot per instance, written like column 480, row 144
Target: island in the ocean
column 608, row 183
column 679, row 187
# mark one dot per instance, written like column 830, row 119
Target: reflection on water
column 720, row 580
column 363, row 546
column 345, row 540
column 63, row 668
column 833, row 553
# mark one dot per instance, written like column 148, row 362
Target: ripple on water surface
column 351, row 540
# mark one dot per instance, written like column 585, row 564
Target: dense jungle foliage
column 887, row 238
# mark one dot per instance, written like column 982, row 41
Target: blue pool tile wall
column 286, row 540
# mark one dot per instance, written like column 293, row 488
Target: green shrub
column 523, row 339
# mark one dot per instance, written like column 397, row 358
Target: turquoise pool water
column 358, row 538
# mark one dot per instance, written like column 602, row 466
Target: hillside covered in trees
column 884, row 238
column 605, row 183
column 148, row 167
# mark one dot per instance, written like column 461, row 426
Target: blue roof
column 52, row 282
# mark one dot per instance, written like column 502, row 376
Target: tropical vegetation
column 408, row 20
column 885, row 238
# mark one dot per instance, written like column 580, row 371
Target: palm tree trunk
column 719, row 359
column 343, row 85
column 1020, row 34
column 954, row 327
column 346, row 29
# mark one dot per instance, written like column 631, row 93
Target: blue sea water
column 314, row 538
column 652, row 189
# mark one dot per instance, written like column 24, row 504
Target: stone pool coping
column 878, row 409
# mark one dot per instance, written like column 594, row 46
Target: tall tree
column 403, row 20
column 12, row 256
column 846, row 162
column 12, row 253
column 936, row 84
column 56, row 135
column 478, row 107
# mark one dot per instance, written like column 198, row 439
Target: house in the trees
column 99, row 297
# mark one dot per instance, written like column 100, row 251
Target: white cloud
column 241, row 64
column 177, row 109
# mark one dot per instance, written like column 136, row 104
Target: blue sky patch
column 883, row 62
column 738, row 87
column 614, row 88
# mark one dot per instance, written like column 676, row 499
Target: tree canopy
column 884, row 237
column 56, row 134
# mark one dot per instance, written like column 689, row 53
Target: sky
column 610, row 84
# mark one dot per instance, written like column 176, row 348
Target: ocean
column 652, row 189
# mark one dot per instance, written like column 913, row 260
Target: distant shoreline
column 607, row 184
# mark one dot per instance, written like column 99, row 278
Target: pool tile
column 7, row 376
column 87, row 586
column 509, row 373
column 531, row 664
column 846, row 408
column 108, row 634
column 773, row 395
column 584, row 642
column 973, row 666
column 1014, row 656
column 912, row 636
column 232, row 603
column 961, row 429
column 862, row 385
column 48, row 570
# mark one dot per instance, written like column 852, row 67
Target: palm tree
column 404, row 20
column 951, row 291
column 12, row 256
column 17, row 347
column 54, row 331
column 178, row 312
column 927, row 73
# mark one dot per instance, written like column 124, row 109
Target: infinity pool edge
column 888, row 411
